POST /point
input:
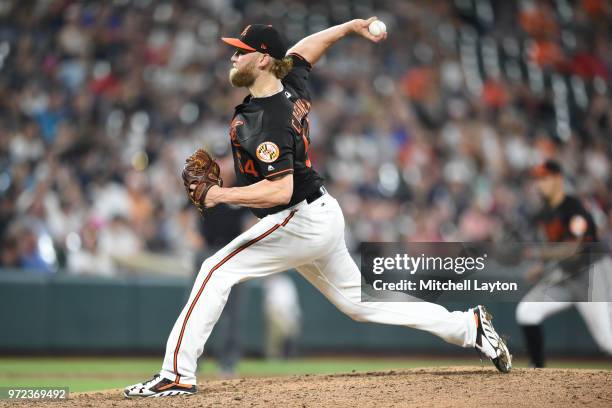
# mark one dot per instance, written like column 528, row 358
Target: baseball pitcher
column 301, row 225
column 579, row 272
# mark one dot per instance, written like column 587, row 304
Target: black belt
column 318, row 193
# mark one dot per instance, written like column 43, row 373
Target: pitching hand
column 360, row 27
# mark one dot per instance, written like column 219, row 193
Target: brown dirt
column 425, row 387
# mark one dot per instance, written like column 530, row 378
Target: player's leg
column 259, row 251
column 277, row 243
column 596, row 315
column 596, row 312
column 337, row 276
column 530, row 315
column 533, row 310
column 339, row 279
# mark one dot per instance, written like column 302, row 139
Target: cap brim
column 538, row 172
column 235, row 42
column 541, row 171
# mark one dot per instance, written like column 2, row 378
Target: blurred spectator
column 9, row 253
column 85, row 256
column 118, row 241
column 34, row 251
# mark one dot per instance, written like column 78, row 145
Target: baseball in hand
column 377, row 27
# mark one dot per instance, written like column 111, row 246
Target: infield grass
column 89, row 374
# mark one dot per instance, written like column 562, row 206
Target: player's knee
column 214, row 275
column 354, row 310
column 225, row 277
column 206, row 266
column 528, row 314
column 357, row 316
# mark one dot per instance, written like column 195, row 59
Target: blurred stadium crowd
column 428, row 136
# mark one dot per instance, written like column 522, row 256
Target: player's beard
column 244, row 77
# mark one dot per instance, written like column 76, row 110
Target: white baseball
column 377, row 27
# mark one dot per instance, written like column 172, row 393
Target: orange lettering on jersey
column 306, row 145
column 239, row 161
column 249, row 168
column 554, row 230
column 301, row 107
column 233, row 133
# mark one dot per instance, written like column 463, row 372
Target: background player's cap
column 262, row 38
column 548, row 168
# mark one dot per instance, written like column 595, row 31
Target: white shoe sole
column 503, row 362
column 170, row 393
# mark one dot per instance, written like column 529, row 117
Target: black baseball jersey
column 570, row 221
column 270, row 137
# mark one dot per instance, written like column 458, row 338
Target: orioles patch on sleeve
column 578, row 225
column 267, row 152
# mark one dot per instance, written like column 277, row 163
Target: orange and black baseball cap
column 548, row 168
column 259, row 37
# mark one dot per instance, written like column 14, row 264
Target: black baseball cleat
column 159, row 387
column 488, row 341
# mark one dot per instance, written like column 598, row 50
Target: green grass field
column 89, row 374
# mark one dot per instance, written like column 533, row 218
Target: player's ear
column 264, row 61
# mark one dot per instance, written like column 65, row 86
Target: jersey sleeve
column 299, row 76
column 580, row 225
column 273, row 153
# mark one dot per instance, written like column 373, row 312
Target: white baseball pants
column 309, row 238
column 546, row 299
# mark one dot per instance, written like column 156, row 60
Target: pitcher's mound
column 424, row 387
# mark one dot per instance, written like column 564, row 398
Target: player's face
column 548, row 186
column 243, row 71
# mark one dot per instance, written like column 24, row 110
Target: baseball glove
column 202, row 172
